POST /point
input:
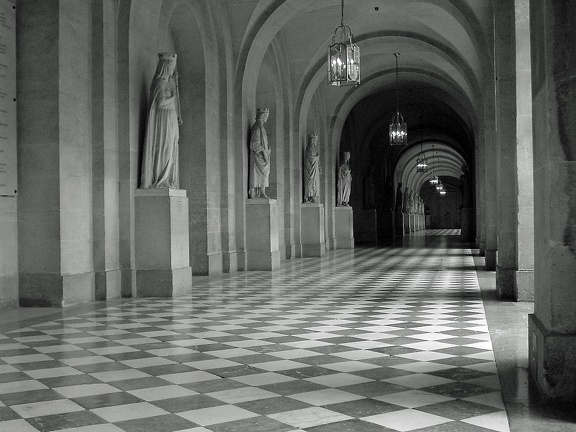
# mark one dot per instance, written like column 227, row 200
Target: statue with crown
column 259, row 156
column 160, row 156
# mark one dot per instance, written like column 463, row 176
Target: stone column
column 491, row 204
column 105, row 155
column 514, row 279
column 552, row 327
column 55, row 156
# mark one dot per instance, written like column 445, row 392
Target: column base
column 552, row 362
column 406, row 223
column 54, row 290
column 264, row 261
column 108, row 284
column 481, row 247
column 490, row 259
column 128, row 283
column 164, row 283
column 517, row 285
column 229, row 262
column 290, row 251
column 525, row 285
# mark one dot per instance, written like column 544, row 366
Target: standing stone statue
column 406, row 201
column 344, row 181
column 160, row 158
column 259, row 156
column 369, row 190
column 311, row 170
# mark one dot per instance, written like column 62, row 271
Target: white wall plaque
column 8, row 150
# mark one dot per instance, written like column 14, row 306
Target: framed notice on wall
column 8, row 150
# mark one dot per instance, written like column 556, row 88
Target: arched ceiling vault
column 444, row 59
column 442, row 158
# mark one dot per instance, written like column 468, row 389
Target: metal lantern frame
column 421, row 161
column 343, row 57
column 398, row 130
column 434, row 180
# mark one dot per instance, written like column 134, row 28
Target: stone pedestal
column 552, row 359
column 313, row 243
column 162, row 243
column 344, row 224
column 366, row 226
column 262, row 245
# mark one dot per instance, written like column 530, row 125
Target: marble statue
column 369, row 190
column 259, row 156
column 344, row 181
column 311, row 170
column 160, row 157
column 406, row 201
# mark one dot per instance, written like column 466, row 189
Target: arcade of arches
column 484, row 85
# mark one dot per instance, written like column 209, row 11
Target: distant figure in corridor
column 259, row 156
column 311, row 171
column 344, row 181
column 160, row 158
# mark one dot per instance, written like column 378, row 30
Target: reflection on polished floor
column 371, row 339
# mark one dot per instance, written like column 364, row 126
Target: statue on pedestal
column 259, row 156
column 160, row 157
column 344, row 182
column 311, row 170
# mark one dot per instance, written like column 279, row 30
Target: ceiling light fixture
column 343, row 57
column 434, row 180
column 398, row 132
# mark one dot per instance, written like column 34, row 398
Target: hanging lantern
column 398, row 131
column 434, row 180
column 343, row 57
column 421, row 163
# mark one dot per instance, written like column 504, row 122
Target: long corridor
column 363, row 340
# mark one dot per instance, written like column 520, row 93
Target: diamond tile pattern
column 371, row 339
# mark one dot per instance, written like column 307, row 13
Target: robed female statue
column 160, row 158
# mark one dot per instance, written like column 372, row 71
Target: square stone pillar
column 344, row 224
column 262, row 245
column 313, row 243
column 412, row 218
column 552, row 327
column 161, row 247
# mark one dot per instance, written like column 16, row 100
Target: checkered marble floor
column 364, row 340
